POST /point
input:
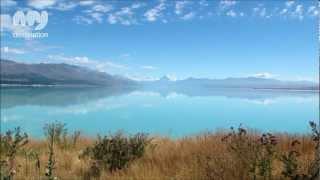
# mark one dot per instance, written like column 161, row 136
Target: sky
column 145, row 40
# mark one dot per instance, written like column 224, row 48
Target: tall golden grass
column 204, row 156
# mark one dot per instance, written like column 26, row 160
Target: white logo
column 30, row 21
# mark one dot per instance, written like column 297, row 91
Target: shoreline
column 63, row 85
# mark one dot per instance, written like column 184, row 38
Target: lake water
column 161, row 112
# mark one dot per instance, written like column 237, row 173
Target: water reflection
column 63, row 96
column 176, row 112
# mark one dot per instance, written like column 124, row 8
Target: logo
column 30, row 24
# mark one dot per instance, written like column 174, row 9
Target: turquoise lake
column 161, row 112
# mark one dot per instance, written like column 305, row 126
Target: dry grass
column 203, row 156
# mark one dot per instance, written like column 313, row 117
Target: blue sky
column 145, row 40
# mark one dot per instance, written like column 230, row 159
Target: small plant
column 253, row 157
column 314, row 170
column 58, row 131
column 244, row 150
column 10, row 144
column 53, row 133
column 75, row 138
column 290, row 162
column 115, row 152
column 35, row 156
column 266, row 155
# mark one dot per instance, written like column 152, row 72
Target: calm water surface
column 163, row 112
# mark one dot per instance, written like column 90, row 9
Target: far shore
column 81, row 85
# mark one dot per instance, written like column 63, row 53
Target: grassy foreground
column 237, row 154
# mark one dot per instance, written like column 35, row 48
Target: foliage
column 314, row 170
column 115, row 152
column 239, row 154
column 254, row 156
column 266, row 155
column 54, row 133
column 290, row 161
column 75, row 138
column 10, row 144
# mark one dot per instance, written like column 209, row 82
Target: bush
column 60, row 135
column 115, row 152
column 290, row 161
column 10, row 144
column 56, row 132
column 253, row 157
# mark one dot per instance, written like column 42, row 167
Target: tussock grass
column 224, row 155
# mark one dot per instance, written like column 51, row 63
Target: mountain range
column 64, row 74
column 243, row 82
column 56, row 74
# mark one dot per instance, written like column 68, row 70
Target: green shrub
column 53, row 133
column 61, row 136
column 290, row 161
column 266, row 155
column 116, row 151
column 56, row 132
column 10, row 144
column 253, row 157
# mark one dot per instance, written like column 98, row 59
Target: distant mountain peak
column 165, row 78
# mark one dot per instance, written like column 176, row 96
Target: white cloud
column 61, row 5
column 65, row 6
column 41, row 4
column 124, row 16
column 225, row 4
column 99, row 65
column 313, row 11
column 261, row 11
column 137, row 5
column 112, row 19
column 125, row 11
column 126, row 55
column 284, row 11
column 298, row 12
column 231, row 13
column 154, row 13
column 263, row 75
column 97, row 17
column 94, row 14
column 86, row 2
column 9, row 50
column 289, row 3
column 148, row 67
column 203, row 3
column 82, row 20
column 8, row 3
column 179, row 6
column 102, row 8
column 188, row 16
column 137, row 77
